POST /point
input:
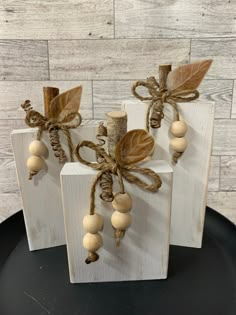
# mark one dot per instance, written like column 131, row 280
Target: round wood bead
column 35, row 163
column 93, row 223
column 121, row 221
column 122, row 202
column 38, row 148
column 178, row 128
column 92, row 242
column 178, row 144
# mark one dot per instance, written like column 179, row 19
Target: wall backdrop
column 105, row 45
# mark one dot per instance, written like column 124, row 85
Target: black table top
column 200, row 281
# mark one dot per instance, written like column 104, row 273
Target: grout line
column 114, row 20
column 92, row 100
column 232, row 100
column 190, row 50
column 49, row 74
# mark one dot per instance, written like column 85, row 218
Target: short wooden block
column 144, row 250
column 41, row 196
column 191, row 172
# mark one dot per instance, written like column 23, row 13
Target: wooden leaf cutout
column 65, row 104
column 134, row 146
column 187, row 77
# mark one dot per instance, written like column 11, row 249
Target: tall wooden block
column 192, row 170
column 144, row 250
column 41, row 196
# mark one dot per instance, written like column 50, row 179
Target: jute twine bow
column 35, row 119
column 158, row 97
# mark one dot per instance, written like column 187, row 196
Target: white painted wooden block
column 143, row 252
column 192, row 170
column 41, row 197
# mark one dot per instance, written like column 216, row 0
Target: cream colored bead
column 178, row 128
column 92, row 242
column 93, row 223
column 121, row 221
column 178, row 144
column 38, row 148
column 35, row 163
column 122, row 202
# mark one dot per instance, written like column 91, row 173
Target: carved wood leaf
column 187, row 77
column 66, row 103
column 134, row 146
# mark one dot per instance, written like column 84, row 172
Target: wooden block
column 23, row 60
column 223, row 53
column 56, row 19
column 191, row 171
column 41, row 197
column 143, row 252
column 113, row 59
column 171, row 19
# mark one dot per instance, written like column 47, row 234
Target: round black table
column 200, row 281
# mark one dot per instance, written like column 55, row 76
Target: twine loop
column 70, row 121
column 117, row 168
column 158, row 97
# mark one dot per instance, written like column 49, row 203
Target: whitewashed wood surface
column 143, row 252
column 41, row 197
column 192, row 170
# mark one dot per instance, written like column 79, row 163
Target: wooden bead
column 122, row 202
column 120, row 221
column 35, row 163
column 178, row 144
column 178, row 128
column 93, row 223
column 38, row 148
column 92, row 242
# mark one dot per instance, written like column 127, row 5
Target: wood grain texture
column 42, row 19
column 228, row 173
column 222, row 51
column 214, row 175
column 23, row 60
column 233, row 113
column 113, row 59
column 224, row 203
column 171, row 19
column 14, row 93
column 41, row 197
column 9, row 205
column 144, row 250
column 224, row 140
column 191, row 172
column 108, row 95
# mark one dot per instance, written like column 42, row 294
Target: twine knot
column 70, row 121
column 159, row 97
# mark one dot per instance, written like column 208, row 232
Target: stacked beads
column 121, row 218
column 92, row 241
column 178, row 129
column 35, row 163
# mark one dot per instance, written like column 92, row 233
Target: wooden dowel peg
column 163, row 72
column 116, row 129
column 48, row 94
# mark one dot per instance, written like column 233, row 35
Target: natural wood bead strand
column 92, row 242
column 35, row 163
column 93, row 223
column 37, row 147
column 121, row 221
column 178, row 128
column 178, row 144
column 122, row 202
